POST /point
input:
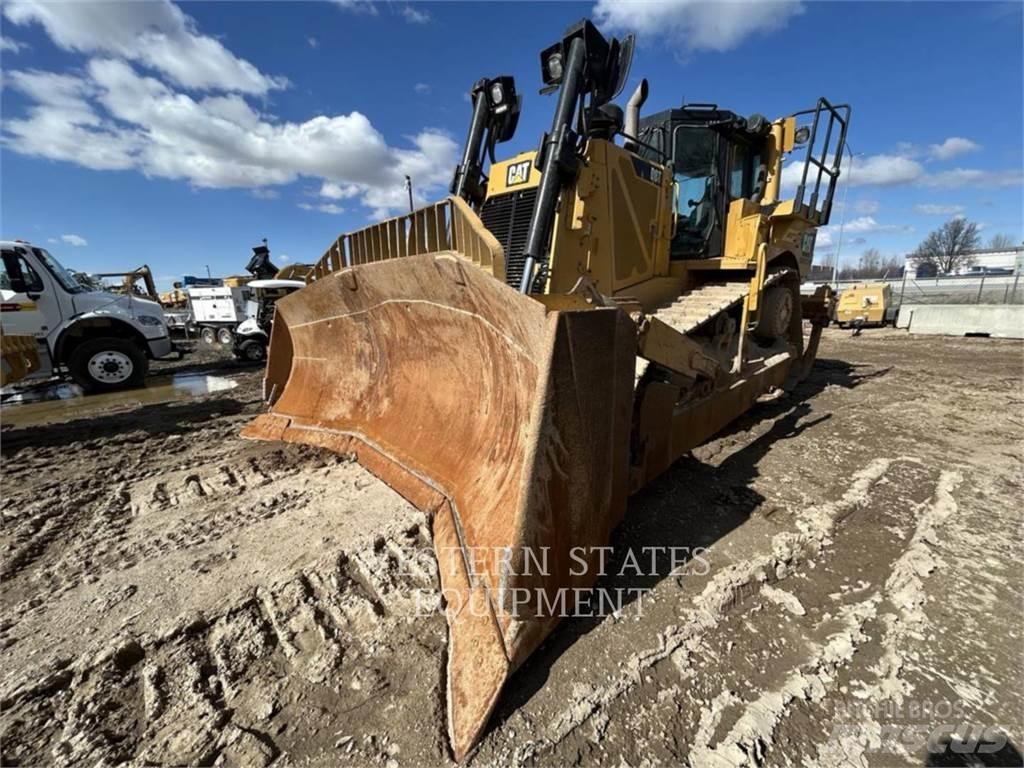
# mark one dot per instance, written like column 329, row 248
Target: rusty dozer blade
column 506, row 423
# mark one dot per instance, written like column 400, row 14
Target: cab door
column 29, row 303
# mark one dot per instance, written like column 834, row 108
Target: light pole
column 408, row 188
column 842, row 221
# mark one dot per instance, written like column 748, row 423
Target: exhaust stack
column 632, row 126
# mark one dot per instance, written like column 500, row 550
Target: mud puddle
column 63, row 401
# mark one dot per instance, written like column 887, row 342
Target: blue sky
column 179, row 135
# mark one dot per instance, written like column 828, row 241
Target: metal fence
column 963, row 289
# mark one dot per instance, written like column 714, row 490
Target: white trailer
column 217, row 311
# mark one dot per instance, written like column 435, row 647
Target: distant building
column 997, row 258
column 1003, row 258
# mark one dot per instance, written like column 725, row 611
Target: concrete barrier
column 998, row 320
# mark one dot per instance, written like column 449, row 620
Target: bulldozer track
column 693, row 309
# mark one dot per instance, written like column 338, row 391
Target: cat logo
column 518, row 173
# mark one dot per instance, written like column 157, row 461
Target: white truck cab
column 104, row 340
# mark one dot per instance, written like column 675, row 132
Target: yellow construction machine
column 19, row 357
column 866, row 305
column 518, row 358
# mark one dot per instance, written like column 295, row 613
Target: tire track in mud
column 179, row 509
column 807, row 685
column 684, row 646
column 222, row 689
column 316, row 647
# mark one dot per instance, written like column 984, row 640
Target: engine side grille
column 507, row 217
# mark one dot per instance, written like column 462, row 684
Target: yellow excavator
column 518, row 358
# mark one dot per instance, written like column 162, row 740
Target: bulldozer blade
column 506, row 423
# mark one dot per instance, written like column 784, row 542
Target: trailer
column 866, row 305
column 217, row 310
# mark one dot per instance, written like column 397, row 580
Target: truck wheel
column 252, row 351
column 225, row 337
column 208, row 335
column 107, row 364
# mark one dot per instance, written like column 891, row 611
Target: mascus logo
column 518, row 173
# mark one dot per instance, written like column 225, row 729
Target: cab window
column 694, row 167
column 14, row 266
column 741, row 168
column 65, row 278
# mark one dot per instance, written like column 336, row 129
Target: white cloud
column 422, row 88
column 867, row 206
column 334, row 191
column 936, row 209
column 262, row 193
column 872, row 171
column 882, row 171
column 111, row 117
column 76, row 240
column 357, row 6
column 155, row 34
column 313, row 42
column 952, row 147
column 869, row 224
column 284, row 258
column 10, row 45
column 63, row 125
column 322, row 207
column 696, row 24
column 973, row 177
column 415, row 16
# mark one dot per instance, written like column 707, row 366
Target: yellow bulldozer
column 520, row 357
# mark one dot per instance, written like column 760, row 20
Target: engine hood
column 116, row 304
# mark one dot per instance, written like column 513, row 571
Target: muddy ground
column 173, row 594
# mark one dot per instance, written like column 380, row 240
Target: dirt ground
column 173, row 594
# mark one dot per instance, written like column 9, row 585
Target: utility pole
column 842, row 222
column 408, row 188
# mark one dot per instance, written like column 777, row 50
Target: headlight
column 497, row 94
column 554, row 67
column 150, row 320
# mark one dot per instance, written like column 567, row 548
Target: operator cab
column 717, row 157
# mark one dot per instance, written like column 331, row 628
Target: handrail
column 448, row 225
column 836, row 114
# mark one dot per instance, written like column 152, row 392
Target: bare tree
column 869, row 262
column 872, row 265
column 891, row 266
column 1001, row 242
column 950, row 246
